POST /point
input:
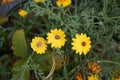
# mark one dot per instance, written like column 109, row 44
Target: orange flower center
column 57, row 37
column 62, row 1
column 39, row 44
column 83, row 43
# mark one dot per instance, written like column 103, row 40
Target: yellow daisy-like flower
column 22, row 13
column 39, row 45
column 63, row 3
column 81, row 44
column 37, row 1
column 93, row 77
column 56, row 38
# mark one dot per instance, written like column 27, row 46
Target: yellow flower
column 93, row 77
column 63, row 3
column 56, row 38
column 81, row 44
column 38, row 45
column 37, row 1
column 22, row 13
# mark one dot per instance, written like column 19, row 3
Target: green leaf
column 19, row 45
column 3, row 19
column 46, row 60
column 20, row 70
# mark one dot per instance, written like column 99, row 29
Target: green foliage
column 3, row 19
column 46, row 61
column 99, row 19
column 5, row 67
column 20, row 70
column 22, row 67
column 6, row 57
column 19, row 44
column 92, row 17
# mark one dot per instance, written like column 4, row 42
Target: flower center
column 62, row 1
column 39, row 44
column 83, row 43
column 57, row 37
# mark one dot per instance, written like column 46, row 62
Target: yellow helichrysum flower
column 37, row 1
column 56, row 38
column 81, row 44
column 39, row 45
column 93, row 77
column 63, row 3
column 22, row 13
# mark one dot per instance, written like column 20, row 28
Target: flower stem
column 107, row 61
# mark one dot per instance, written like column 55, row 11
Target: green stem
column 110, row 62
column 46, row 22
column 105, row 8
column 26, row 64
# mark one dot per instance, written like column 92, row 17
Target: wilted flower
column 94, row 67
column 6, row 1
column 78, row 76
column 117, row 74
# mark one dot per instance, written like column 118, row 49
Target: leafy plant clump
column 66, row 40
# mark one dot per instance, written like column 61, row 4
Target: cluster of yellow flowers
column 56, row 37
column 81, row 44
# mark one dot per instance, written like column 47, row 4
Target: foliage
column 5, row 68
column 18, row 39
column 99, row 19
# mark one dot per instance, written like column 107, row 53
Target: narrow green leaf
column 19, row 45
